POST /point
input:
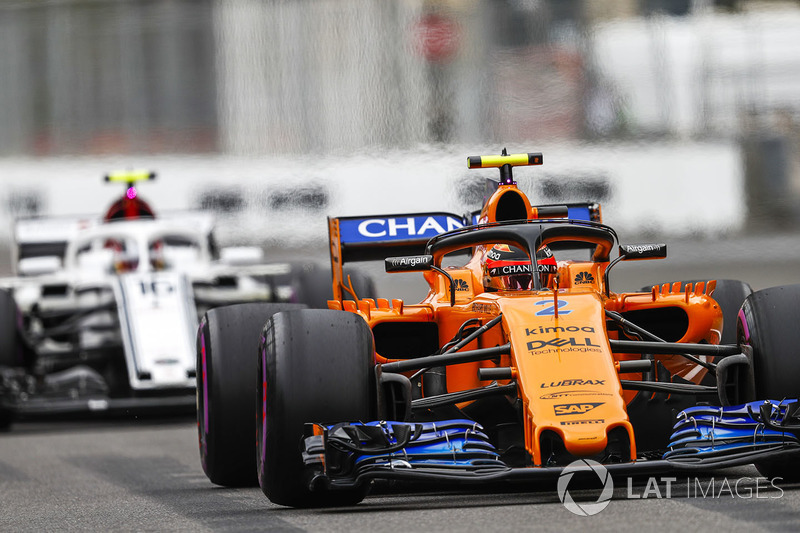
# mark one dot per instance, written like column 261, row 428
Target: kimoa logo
column 583, row 278
column 574, row 408
column 585, row 508
column 558, row 329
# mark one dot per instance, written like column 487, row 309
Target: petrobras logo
column 397, row 228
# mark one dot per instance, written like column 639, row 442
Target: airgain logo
column 461, row 285
column 584, row 278
column 574, row 408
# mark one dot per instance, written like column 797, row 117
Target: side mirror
column 633, row 252
column 241, row 255
column 411, row 263
column 420, row 263
column 37, row 266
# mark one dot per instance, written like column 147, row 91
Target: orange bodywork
column 568, row 378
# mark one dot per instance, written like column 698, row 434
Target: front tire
column 314, row 366
column 11, row 354
column 768, row 322
column 227, row 340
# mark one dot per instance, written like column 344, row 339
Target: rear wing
column 374, row 238
column 354, row 239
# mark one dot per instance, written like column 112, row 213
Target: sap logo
column 407, row 226
column 559, row 343
column 584, row 278
column 461, row 285
column 574, row 408
column 572, row 383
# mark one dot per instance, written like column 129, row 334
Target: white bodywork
column 156, row 275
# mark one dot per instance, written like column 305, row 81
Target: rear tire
column 227, row 341
column 313, row 285
column 768, row 322
column 314, row 366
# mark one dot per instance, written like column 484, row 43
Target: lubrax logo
column 574, row 408
column 560, row 342
column 572, row 383
column 584, row 278
column 558, row 329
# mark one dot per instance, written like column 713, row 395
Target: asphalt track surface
column 145, row 474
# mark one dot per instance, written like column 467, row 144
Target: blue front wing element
column 354, row 447
column 704, row 432
column 459, row 443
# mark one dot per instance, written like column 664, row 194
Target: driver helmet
column 507, row 268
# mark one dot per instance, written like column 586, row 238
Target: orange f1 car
column 520, row 360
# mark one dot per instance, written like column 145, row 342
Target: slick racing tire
column 10, row 346
column 768, row 322
column 313, row 285
column 730, row 294
column 314, row 366
column 227, row 343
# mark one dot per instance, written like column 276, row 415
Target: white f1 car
column 103, row 313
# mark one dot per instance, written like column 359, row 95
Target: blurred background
column 682, row 117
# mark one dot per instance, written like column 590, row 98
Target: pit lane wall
column 669, row 189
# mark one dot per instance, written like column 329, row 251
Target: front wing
column 346, row 455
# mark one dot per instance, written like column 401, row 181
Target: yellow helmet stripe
column 130, row 176
column 496, row 161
